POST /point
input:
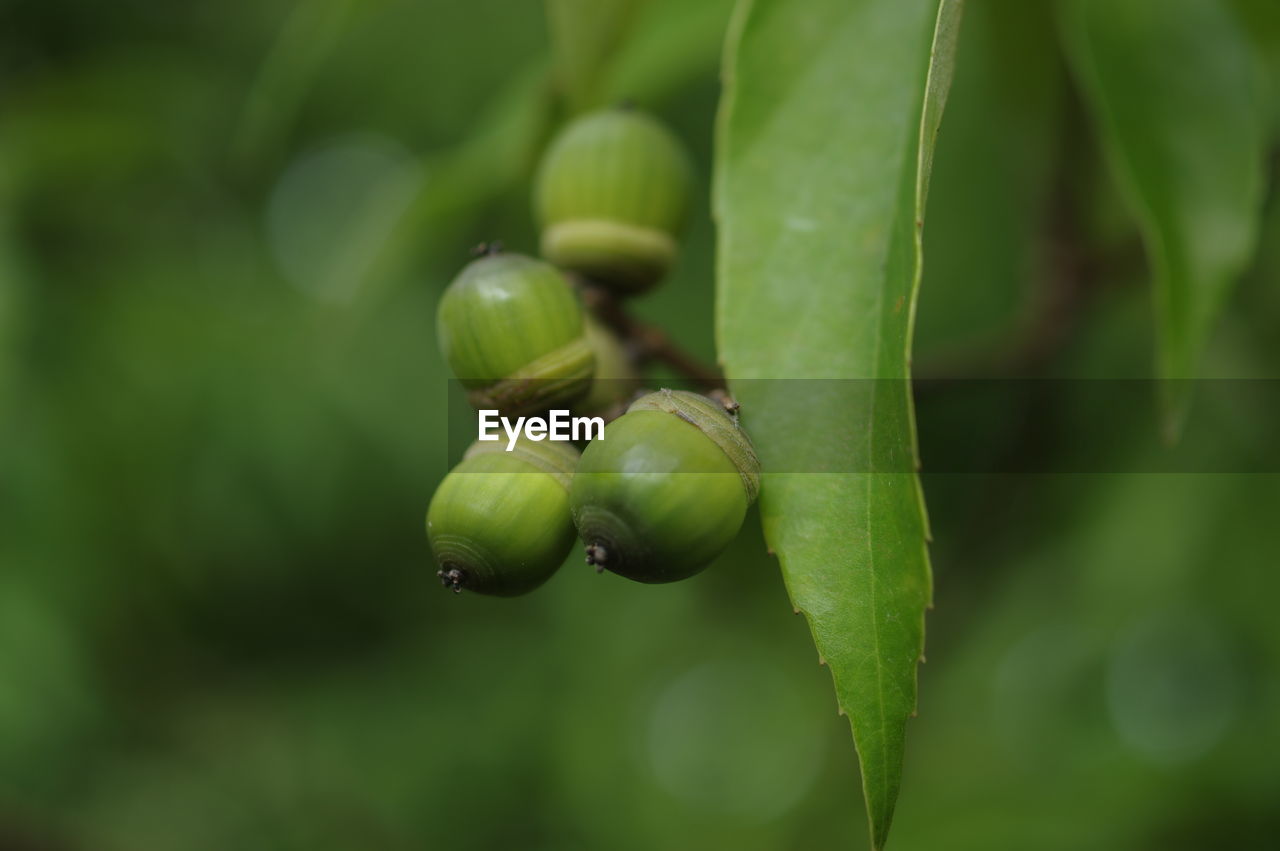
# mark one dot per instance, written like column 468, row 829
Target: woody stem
column 649, row 341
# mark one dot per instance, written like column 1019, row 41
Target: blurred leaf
column 585, row 35
column 9, row 282
column 457, row 184
column 826, row 140
column 48, row 697
column 1174, row 92
column 1261, row 20
column 287, row 72
column 992, row 181
column 672, row 44
column 125, row 115
column 333, row 210
column 1032, row 674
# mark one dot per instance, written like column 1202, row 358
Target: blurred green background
column 223, row 230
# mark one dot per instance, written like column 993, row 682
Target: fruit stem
column 649, row 341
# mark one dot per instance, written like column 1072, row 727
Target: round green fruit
column 499, row 523
column 511, row 329
column 666, row 489
column 611, row 194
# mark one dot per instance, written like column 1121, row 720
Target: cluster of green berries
column 667, row 486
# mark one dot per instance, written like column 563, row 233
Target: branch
column 649, row 342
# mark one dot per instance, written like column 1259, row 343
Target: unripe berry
column 611, row 194
column 666, row 489
column 499, row 523
column 511, row 329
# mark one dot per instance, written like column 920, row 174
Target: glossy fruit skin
column 666, row 490
column 611, row 194
column 511, row 329
column 499, row 522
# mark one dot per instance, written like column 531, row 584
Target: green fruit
column 511, row 329
column 610, row 196
column 616, row 378
column 499, row 523
column 666, row 489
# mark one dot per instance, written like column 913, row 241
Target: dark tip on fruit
column 726, row 401
column 598, row 556
column 487, row 249
column 452, row 577
column 627, row 104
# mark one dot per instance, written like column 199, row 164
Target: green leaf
column 825, row 139
column 609, row 51
column 672, row 45
column 585, row 36
column 289, row 70
column 1003, row 138
column 11, row 280
column 1261, row 20
column 1174, row 89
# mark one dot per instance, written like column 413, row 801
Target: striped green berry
column 511, row 329
column 499, row 523
column 611, row 195
column 666, row 489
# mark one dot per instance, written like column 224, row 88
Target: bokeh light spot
column 737, row 738
column 334, row 208
column 1172, row 686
